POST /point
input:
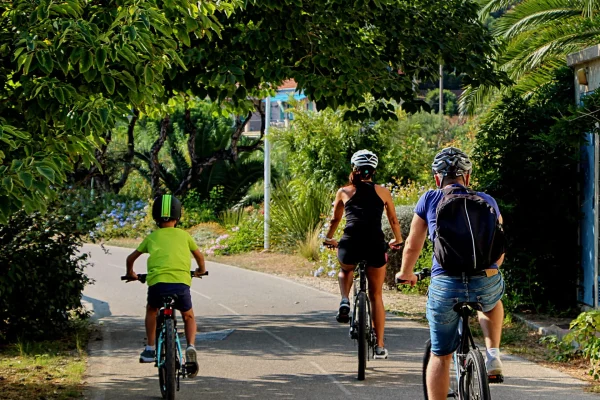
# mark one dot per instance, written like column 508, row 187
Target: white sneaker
column 191, row 362
column 381, row 353
column 493, row 366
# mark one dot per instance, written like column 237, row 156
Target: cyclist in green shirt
column 168, row 273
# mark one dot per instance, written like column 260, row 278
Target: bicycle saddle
column 171, row 298
column 472, row 304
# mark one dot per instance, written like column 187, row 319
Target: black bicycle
column 468, row 376
column 169, row 357
column 361, row 323
column 361, row 326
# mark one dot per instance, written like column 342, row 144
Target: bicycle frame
column 360, row 285
column 466, row 343
column 168, row 312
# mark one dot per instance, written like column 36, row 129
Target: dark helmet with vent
column 166, row 208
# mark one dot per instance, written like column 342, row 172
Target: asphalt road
column 285, row 344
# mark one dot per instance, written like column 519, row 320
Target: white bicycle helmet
column 364, row 158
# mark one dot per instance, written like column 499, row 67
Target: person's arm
column 338, row 213
column 200, row 261
column 130, row 261
column 390, row 211
column 501, row 259
column 412, row 249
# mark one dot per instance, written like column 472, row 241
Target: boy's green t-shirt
column 169, row 260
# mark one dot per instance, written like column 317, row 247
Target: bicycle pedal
column 451, row 395
column 495, row 378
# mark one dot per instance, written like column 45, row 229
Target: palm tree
column 233, row 178
column 537, row 35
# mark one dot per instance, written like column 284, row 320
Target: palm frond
column 492, row 6
column 510, row 27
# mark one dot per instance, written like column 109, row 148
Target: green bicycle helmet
column 166, row 208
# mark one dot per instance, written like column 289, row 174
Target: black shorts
column 157, row 291
column 351, row 251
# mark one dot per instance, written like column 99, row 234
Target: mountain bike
column 469, row 379
column 169, row 357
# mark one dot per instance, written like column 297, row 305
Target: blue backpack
column 468, row 235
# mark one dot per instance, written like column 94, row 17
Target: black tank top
column 363, row 214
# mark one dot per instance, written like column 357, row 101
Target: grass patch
column 46, row 369
column 272, row 263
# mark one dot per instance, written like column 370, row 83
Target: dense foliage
column 41, row 275
column 528, row 154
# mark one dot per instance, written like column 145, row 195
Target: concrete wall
column 589, row 60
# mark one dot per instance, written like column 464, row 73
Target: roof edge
column 584, row 56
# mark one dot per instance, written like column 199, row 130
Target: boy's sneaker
column 381, row 353
column 494, row 370
column 147, row 356
column 343, row 315
column 191, row 361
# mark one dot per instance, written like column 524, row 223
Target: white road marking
column 200, row 294
column 339, row 385
column 295, row 349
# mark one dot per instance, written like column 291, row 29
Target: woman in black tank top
column 363, row 203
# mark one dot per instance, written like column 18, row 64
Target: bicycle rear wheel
column 453, row 390
column 362, row 330
column 170, row 373
column 426, row 357
column 476, row 385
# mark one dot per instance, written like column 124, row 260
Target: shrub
column 405, row 216
column 41, row 274
column 528, row 154
column 126, row 218
column 309, row 248
column 296, row 214
column 248, row 236
column 581, row 341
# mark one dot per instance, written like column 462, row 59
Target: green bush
column 247, row 236
column 528, row 156
column 581, row 341
column 405, row 216
column 296, row 213
column 41, row 275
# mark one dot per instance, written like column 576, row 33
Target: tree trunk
column 156, row 147
column 185, row 185
column 128, row 159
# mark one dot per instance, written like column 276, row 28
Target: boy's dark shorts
column 158, row 290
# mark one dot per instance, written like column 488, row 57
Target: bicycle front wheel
column 363, row 332
column 476, row 385
column 170, row 373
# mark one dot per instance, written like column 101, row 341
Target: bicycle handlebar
column 425, row 273
column 142, row 277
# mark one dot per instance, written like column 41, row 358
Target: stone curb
column 543, row 330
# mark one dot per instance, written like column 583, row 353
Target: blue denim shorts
column 444, row 293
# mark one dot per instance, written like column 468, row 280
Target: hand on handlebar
column 198, row 273
column 406, row 279
column 395, row 245
column 330, row 243
column 130, row 277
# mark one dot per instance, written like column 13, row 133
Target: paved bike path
column 286, row 344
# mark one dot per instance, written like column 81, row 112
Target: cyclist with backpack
column 465, row 228
column 363, row 203
column 169, row 274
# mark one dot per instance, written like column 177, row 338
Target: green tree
column 70, row 69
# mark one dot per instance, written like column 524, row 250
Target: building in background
column 586, row 65
column 280, row 113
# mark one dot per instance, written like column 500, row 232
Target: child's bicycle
column 470, row 379
column 169, row 358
